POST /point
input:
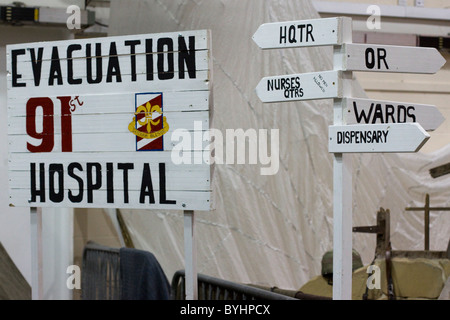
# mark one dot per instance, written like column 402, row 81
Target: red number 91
column 47, row 135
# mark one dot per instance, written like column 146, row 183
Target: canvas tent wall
column 273, row 230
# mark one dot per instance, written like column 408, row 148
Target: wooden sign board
column 387, row 58
column 90, row 122
column 394, row 137
column 302, row 33
column 296, row 87
column 369, row 111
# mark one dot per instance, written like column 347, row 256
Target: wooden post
column 427, row 222
column 37, row 290
column 342, row 186
column 190, row 256
column 427, row 209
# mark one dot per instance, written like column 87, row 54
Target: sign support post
column 36, row 253
column 190, row 256
column 342, row 185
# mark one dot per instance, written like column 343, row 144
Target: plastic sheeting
column 273, row 230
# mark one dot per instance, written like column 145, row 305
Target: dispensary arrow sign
column 305, row 86
column 366, row 111
column 385, row 58
column 394, row 137
column 303, row 33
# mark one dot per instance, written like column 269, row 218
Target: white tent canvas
column 273, row 229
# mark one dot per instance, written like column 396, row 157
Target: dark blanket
column 142, row 276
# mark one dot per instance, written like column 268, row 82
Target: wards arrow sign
column 385, row 58
column 304, row 86
column 395, row 137
column 368, row 111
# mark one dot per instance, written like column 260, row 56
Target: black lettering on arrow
column 360, row 116
column 378, row 114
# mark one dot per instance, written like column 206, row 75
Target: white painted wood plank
column 296, row 87
column 184, row 200
column 193, row 159
column 201, row 82
column 195, row 179
column 116, row 122
column 365, row 111
column 113, row 102
column 201, row 41
column 127, row 67
column 302, row 33
column 114, row 142
column 387, row 58
column 394, row 137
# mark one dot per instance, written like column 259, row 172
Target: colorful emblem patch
column 149, row 125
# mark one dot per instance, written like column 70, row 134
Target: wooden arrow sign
column 386, row 58
column 394, row 137
column 366, row 111
column 302, row 33
column 305, row 86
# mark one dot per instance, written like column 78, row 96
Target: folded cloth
column 142, row 276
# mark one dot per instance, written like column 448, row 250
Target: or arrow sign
column 303, row 33
column 385, row 58
column 365, row 111
column 305, row 86
column 395, row 137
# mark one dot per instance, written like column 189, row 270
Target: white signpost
column 359, row 125
column 90, row 124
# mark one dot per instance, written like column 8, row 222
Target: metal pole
column 427, row 222
column 36, row 253
column 342, row 186
column 190, row 255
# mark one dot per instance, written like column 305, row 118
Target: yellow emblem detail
column 148, row 121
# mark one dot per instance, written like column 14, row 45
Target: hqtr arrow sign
column 303, row 33
column 385, row 58
column 394, row 137
column 366, row 111
column 295, row 87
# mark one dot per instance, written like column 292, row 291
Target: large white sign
column 304, row 86
column 387, row 58
column 90, row 121
column 303, row 33
column 394, row 137
column 366, row 111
